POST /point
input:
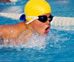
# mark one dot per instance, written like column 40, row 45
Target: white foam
column 35, row 41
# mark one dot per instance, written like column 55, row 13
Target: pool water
column 56, row 46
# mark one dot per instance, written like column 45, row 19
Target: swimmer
column 38, row 18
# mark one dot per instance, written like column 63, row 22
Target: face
column 41, row 27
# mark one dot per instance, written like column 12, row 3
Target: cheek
column 39, row 27
column 36, row 26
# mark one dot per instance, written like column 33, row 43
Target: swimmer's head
column 36, row 8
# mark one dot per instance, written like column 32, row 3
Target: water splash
column 35, row 41
column 54, row 38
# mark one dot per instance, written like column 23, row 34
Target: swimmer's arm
column 7, row 31
column 12, row 31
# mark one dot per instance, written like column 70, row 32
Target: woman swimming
column 38, row 17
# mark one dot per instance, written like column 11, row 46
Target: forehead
column 48, row 14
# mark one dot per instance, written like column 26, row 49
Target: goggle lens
column 45, row 18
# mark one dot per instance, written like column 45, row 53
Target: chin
column 42, row 34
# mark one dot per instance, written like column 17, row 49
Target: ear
column 22, row 17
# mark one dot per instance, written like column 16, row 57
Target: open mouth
column 47, row 30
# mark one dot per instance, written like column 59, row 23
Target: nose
column 47, row 22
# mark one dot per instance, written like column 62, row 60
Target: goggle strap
column 32, row 19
